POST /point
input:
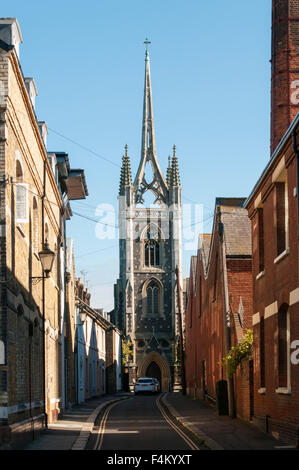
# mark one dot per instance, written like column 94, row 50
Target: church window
column 152, row 298
column 152, row 248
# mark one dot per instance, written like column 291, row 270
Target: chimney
column 31, row 89
column 43, row 130
column 284, row 67
column 10, row 33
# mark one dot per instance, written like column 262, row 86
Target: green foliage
column 237, row 353
column 127, row 351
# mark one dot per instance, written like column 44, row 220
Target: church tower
column 149, row 250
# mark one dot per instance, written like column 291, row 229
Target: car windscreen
column 144, row 381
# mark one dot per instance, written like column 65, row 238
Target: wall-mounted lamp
column 46, row 257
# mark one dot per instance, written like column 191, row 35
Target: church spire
column 148, row 145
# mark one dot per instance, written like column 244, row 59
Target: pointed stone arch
column 164, row 367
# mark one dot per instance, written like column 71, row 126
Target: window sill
column 282, row 255
column 261, row 274
column 262, row 390
column 283, row 390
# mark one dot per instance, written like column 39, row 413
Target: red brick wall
column 275, row 285
column 205, row 339
column 285, row 67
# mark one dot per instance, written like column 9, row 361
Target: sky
column 210, row 75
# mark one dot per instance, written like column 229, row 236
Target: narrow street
column 139, row 423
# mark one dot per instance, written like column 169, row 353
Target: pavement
column 72, row 430
column 218, row 432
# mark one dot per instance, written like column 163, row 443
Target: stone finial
column 168, row 174
column 175, row 175
column 125, row 173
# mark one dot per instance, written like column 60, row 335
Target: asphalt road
column 137, row 424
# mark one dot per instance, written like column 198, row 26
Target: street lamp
column 82, row 315
column 46, row 257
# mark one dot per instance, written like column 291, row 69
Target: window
column 20, row 356
column 21, row 195
column 281, row 216
column 151, row 253
column 152, row 295
column 283, row 346
column 35, row 243
column 260, row 215
column 152, row 246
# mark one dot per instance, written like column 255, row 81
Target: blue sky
column 211, row 92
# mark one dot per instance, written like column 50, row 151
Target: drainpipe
column 226, row 312
column 296, row 151
column 43, row 297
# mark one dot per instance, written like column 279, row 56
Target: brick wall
column 205, row 330
column 275, row 407
column 21, row 377
column 285, row 67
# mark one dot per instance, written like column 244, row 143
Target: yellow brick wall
column 24, row 143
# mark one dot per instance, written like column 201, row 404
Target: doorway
column 154, row 371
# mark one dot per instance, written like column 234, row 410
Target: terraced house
column 35, row 189
column 273, row 208
column 219, row 310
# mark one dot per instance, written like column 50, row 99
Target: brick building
column 97, row 350
column 273, row 209
column 219, row 307
column 284, row 67
column 34, row 193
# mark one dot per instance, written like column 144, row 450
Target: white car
column 145, row 384
column 158, row 384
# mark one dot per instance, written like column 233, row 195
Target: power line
column 96, row 251
column 84, row 148
column 93, row 220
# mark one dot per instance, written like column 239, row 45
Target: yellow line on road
column 181, row 433
column 101, row 433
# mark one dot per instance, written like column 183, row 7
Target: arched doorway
column 152, row 362
column 154, row 370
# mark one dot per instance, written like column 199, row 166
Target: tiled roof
column 237, row 230
column 193, row 269
column 204, row 246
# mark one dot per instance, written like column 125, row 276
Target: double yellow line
column 101, row 432
column 181, row 433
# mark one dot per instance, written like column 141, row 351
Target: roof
column 76, row 184
column 236, row 226
column 193, row 269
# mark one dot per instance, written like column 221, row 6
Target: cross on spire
column 146, row 42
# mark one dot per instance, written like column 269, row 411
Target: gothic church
column 149, row 250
